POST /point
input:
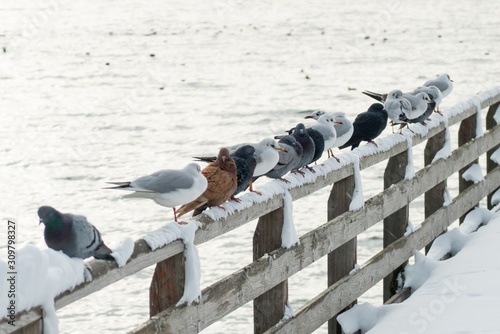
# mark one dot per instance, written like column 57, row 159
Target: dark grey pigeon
column 302, row 137
column 72, row 234
column 289, row 159
column 367, row 126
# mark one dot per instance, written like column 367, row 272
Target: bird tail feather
column 205, row 159
column 189, row 207
column 374, row 95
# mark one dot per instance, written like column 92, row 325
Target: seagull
column 418, row 103
column 343, row 127
column 367, row 126
column 72, row 234
column 222, row 182
column 168, row 187
column 397, row 106
column 325, row 125
column 434, row 93
column 289, row 159
column 245, row 160
column 443, row 83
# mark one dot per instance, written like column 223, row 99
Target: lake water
column 93, row 91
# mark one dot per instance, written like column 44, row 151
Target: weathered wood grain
column 342, row 260
column 269, row 307
column 490, row 164
column 466, row 133
column 394, row 225
column 434, row 198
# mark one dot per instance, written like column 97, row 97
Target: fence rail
column 336, row 238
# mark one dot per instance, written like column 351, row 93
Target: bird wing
column 164, row 181
column 87, row 239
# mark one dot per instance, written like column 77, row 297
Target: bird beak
column 309, row 116
column 338, row 122
column 41, row 221
column 280, row 149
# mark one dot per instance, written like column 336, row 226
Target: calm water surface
column 93, row 91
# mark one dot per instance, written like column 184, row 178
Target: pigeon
column 168, row 187
column 222, row 182
column 289, row 158
column 367, row 126
column 319, row 143
column 73, row 235
column 443, row 83
column 302, row 137
column 325, row 126
column 244, row 158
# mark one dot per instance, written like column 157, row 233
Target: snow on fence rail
column 265, row 279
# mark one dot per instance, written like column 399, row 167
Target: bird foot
column 423, row 123
column 284, row 180
column 181, row 223
column 298, row 171
column 373, row 143
column 257, row 192
column 338, row 160
column 437, row 111
column 237, row 200
column 311, row 169
column 221, row 207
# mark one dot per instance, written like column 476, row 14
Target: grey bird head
column 48, row 215
column 395, row 94
column 300, row 129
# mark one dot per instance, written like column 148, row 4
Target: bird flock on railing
column 234, row 169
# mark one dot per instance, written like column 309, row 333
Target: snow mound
column 122, row 253
column 474, row 173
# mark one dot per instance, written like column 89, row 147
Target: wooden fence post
column 342, row 260
column 269, row 308
column 434, row 198
column 395, row 225
column 466, row 133
column 167, row 285
column 490, row 164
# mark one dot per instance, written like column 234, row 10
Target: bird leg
column 371, row 141
column 221, row 207
column 237, row 200
column 175, row 217
column 284, row 180
column 251, row 189
column 338, row 160
column 437, row 110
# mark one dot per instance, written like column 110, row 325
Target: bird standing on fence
column 222, row 182
column 245, row 160
column 72, row 234
column 289, row 158
column 308, row 147
column 325, row 125
column 434, row 93
column 168, row 187
column 443, row 83
column 367, row 126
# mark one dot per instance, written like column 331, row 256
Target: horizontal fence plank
column 331, row 301
column 106, row 273
column 265, row 273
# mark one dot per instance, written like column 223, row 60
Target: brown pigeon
column 222, row 182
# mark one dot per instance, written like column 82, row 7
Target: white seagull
column 168, row 187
